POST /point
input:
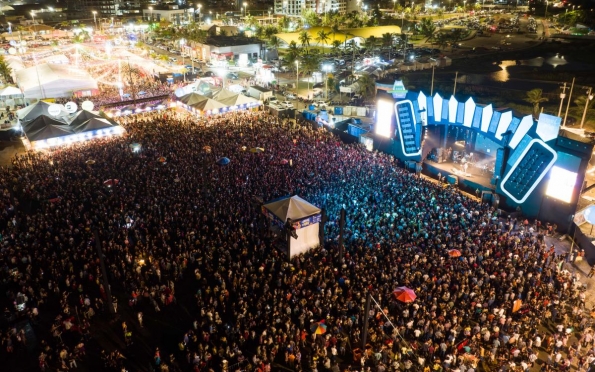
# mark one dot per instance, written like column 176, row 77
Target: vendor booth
column 304, row 218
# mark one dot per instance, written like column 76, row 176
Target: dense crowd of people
column 178, row 231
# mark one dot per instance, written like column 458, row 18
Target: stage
column 470, row 180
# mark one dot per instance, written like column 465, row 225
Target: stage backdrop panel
column 307, row 238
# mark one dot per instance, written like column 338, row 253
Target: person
column 140, row 318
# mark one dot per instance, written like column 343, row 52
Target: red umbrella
column 111, row 182
column 454, row 253
column 404, row 294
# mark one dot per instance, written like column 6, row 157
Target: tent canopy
column 31, row 112
column 293, row 207
column 53, row 80
column 92, row 125
column 193, row 98
column 10, row 91
column 45, row 127
column 208, row 104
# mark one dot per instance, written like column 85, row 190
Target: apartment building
column 296, row 7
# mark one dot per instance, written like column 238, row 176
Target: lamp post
column 589, row 98
column 198, row 6
column 546, row 4
column 245, row 9
column 297, row 74
column 33, row 16
column 95, row 19
column 326, row 69
column 151, row 10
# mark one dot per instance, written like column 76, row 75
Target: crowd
column 178, row 231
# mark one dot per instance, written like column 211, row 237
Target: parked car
column 209, row 74
column 287, row 104
column 290, row 95
column 233, row 76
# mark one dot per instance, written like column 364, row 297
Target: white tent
column 305, row 217
column 50, row 80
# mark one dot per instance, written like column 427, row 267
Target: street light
column 198, row 6
column 546, row 4
column 297, row 74
column 33, row 16
column 245, row 9
column 95, row 19
column 589, row 98
column 151, row 9
column 326, row 69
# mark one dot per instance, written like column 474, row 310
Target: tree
column 5, row 70
column 284, row 23
column 305, row 39
column 535, row 97
column 322, row 37
column 367, row 86
column 428, row 28
column 336, row 45
column 575, row 111
column 311, row 18
column 274, row 42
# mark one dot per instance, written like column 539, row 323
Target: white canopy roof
column 10, row 91
column 52, row 80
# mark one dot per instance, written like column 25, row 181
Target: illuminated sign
column 406, row 125
column 384, row 118
column 562, row 184
column 534, row 142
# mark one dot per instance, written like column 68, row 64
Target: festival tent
column 192, row 99
column 238, row 100
column 44, row 128
column 39, row 108
column 208, row 105
column 222, row 94
column 53, row 80
column 305, row 218
column 92, row 125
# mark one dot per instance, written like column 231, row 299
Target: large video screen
column 562, row 183
column 384, row 116
column 486, row 146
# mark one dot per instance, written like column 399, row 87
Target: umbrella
column 90, row 162
column 454, row 253
column 162, row 159
column 404, row 294
column 257, row 150
column 318, row 328
column 223, row 161
column 111, row 182
column 284, row 161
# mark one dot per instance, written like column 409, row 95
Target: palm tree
column 577, row 111
column 535, row 97
column 284, row 23
column 387, row 42
column 305, row 39
column 5, row 70
column 274, row 42
column 367, row 86
column 322, row 37
column 428, row 28
column 336, row 44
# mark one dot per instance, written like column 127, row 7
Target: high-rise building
column 104, row 8
column 296, row 7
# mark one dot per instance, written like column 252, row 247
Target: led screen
column 562, row 184
column 486, row 145
column 384, row 119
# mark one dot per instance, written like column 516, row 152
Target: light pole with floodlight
column 297, row 76
column 95, row 19
column 245, row 9
column 589, row 99
column 33, row 17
